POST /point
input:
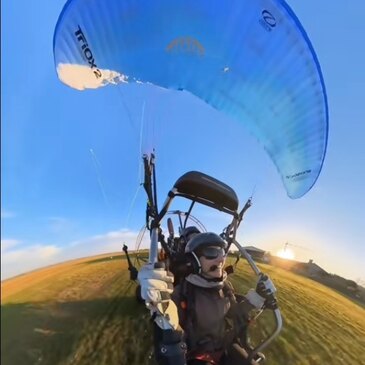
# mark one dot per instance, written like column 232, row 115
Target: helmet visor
column 211, row 253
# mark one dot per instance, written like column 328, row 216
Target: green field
column 84, row 312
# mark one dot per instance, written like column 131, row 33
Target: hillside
column 84, row 312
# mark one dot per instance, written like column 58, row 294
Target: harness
column 208, row 350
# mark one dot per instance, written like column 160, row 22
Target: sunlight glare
column 286, row 254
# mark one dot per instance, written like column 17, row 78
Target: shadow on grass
column 101, row 331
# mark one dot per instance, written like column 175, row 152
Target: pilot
column 210, row 318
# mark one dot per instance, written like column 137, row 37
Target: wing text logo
column 87, row 52
column 299, row 174
column 268, row 20
column 186, row 45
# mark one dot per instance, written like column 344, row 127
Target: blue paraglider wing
column 249, row 59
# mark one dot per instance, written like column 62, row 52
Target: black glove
column 266, row 289
column 271, row 302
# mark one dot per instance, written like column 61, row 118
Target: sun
column 286, row 254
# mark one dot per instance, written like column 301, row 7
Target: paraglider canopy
column 249, row 59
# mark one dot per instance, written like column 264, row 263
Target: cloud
column 18, row 258
column 7, row 214
column 8, row 244
column 108, row 242
column 59, row 224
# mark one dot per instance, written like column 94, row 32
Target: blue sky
column 70, row 161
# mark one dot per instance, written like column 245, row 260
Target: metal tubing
column 279, row 325
column 248, row 258
column 277, row 313
column 153, row 254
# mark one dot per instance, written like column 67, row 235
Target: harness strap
column 187, row 306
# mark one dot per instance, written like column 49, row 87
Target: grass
column 84, row 312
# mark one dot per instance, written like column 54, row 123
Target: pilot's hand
column 156, row 288
column 265, row 287
column 156, row 284
column 264, row 295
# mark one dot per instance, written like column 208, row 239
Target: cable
column 96, row 163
